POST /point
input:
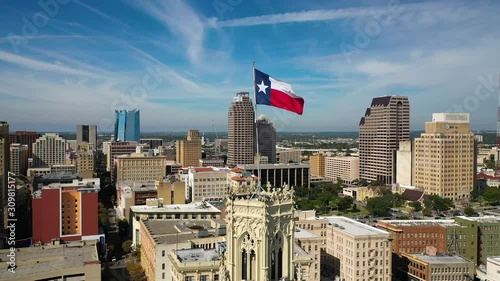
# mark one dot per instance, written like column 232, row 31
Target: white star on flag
column 262, row 87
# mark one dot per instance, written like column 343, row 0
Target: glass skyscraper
column 127, row 125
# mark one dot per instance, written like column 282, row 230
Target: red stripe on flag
column 287, row 102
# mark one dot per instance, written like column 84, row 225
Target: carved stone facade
column 260, row 236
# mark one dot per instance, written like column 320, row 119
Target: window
column 163, row 253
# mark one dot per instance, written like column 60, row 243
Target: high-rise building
column 25, row 137
column 317, row 163
column 445, row 157
column 385, row 123
column 116, row 148
column 140, row 167
column 241, row 120
column 266, row 139
column 86, row 133
column 66, row 211
column 19, row 159
column 188, row 152
column 48, row 150
column 85, row 160
column 405, row 162
column 346, row 168
column 127, row 125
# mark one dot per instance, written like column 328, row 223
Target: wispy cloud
column 12, row 38
column 181, row 20
column 42, row 66
column 304, row 16
column 101, row 14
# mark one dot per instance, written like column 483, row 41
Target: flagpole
column 256, row 131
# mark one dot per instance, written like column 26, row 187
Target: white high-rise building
column 48, row 150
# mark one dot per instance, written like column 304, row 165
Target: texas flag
column 273, row 92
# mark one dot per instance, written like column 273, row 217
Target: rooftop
column 302, row 233
column 197, row 255
column 196, row 207
column 52, row 258
column 297, row 250
column 438, row 259
column 273, row 166
column 353, row 227
column 174, row 232
column 487, row 219
column 495, row 260
column 61, row 176
column 420, row 222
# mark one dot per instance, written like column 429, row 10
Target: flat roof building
column 73, row 261
column 423, row 267
column 358, row 252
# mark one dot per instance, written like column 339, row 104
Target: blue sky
column 181, row 62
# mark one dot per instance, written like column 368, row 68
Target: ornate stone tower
column 260, row 236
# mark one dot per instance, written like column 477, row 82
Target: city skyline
column 86, row 59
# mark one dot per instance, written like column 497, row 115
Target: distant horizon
column 225, row 132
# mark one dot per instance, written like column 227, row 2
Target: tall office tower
column 25, row 137
column 48, row 150
column 241, row 120
column 188, row 152
column 385, row 124
column 19, row 159
column 444, row 157
column 266, row 139
column 4, row 169
column 86, row 133
column 127, row 125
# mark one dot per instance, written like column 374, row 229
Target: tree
column 469, row 211
column 428, row 204
column 127, row 246
column 490, row 164
column 354, row 208
column 103, row 219
column 334, row 203
column 363, row 182
column 378, row 206
column 135, row 271
column 426, row 212
column 345, row 203
column 491, row 194
column 440, row 203
column 416, row 206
